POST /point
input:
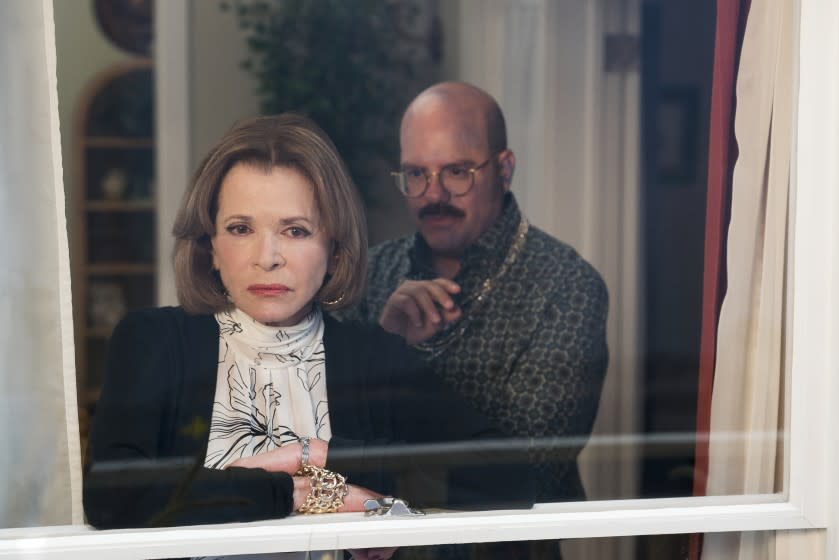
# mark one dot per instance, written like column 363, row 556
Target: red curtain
column 722, row 153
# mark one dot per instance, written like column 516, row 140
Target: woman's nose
column 270, row 252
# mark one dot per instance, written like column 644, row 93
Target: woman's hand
column 302, row 487
column 353, row 501
column 286, row 458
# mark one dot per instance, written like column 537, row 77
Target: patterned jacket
column 530, row 353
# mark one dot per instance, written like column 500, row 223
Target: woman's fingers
column 318, row 450
column 354, row 500
column 302, row 487
column 286, row 458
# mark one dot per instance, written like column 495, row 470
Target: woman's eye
column 238, row 229
column 295, row 231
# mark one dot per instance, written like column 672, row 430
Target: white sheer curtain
column 575, row 131
column 502, row 48
column 40, row 463
column 749, row 387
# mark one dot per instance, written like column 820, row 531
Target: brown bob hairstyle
column 286, row 140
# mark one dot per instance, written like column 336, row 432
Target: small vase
column 114, row 184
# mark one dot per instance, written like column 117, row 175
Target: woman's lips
column 268, row 289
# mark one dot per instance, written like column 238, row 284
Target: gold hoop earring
column 336, row 301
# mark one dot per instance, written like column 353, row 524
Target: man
column 511, row 319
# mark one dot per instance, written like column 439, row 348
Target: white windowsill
column 352, row 530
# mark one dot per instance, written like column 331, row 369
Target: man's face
column 432, row 138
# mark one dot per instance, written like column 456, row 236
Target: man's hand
column 372, row 553
column 419, row 309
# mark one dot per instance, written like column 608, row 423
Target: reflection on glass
column 498, row 397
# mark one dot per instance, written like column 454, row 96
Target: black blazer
column 151, row 426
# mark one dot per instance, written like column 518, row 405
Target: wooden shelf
column 120, row 205
column 118, row 142
column 98, row 332
column 113, row 243
column 89, row 396
column 127, row 268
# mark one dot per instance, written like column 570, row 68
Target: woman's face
column 269, row 247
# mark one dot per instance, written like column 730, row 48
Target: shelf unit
column 114, row 215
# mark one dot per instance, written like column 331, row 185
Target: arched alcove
column 114, row 252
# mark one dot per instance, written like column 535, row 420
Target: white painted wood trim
column 815, row 342
column 329, row 532
column 591, row 136
column 609, row 205
column 172, row 126
column 65, row 303
column 630, row 258
column 813, row 450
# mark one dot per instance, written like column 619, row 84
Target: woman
column 224, row 409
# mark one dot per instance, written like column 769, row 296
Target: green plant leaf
column 342, row 63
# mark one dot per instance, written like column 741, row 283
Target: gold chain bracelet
column 327, row 493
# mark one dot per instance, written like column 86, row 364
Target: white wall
column 202, row 91
column 82, row 52
column 221, row 92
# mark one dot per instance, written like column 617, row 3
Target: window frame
column 813, row 454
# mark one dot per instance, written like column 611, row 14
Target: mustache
column 440, row 209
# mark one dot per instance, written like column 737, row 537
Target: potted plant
column 345, row 64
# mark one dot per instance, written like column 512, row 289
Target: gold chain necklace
column 472, row 303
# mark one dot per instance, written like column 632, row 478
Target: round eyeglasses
column 455, row 178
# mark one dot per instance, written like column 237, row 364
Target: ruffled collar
column 256, row 341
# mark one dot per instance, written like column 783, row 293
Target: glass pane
column 567, row 368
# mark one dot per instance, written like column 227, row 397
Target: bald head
column 478, row 116
column 454, row 131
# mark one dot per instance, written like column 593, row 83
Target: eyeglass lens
column 455, row 178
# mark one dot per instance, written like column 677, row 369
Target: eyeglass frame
column 428, row 177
